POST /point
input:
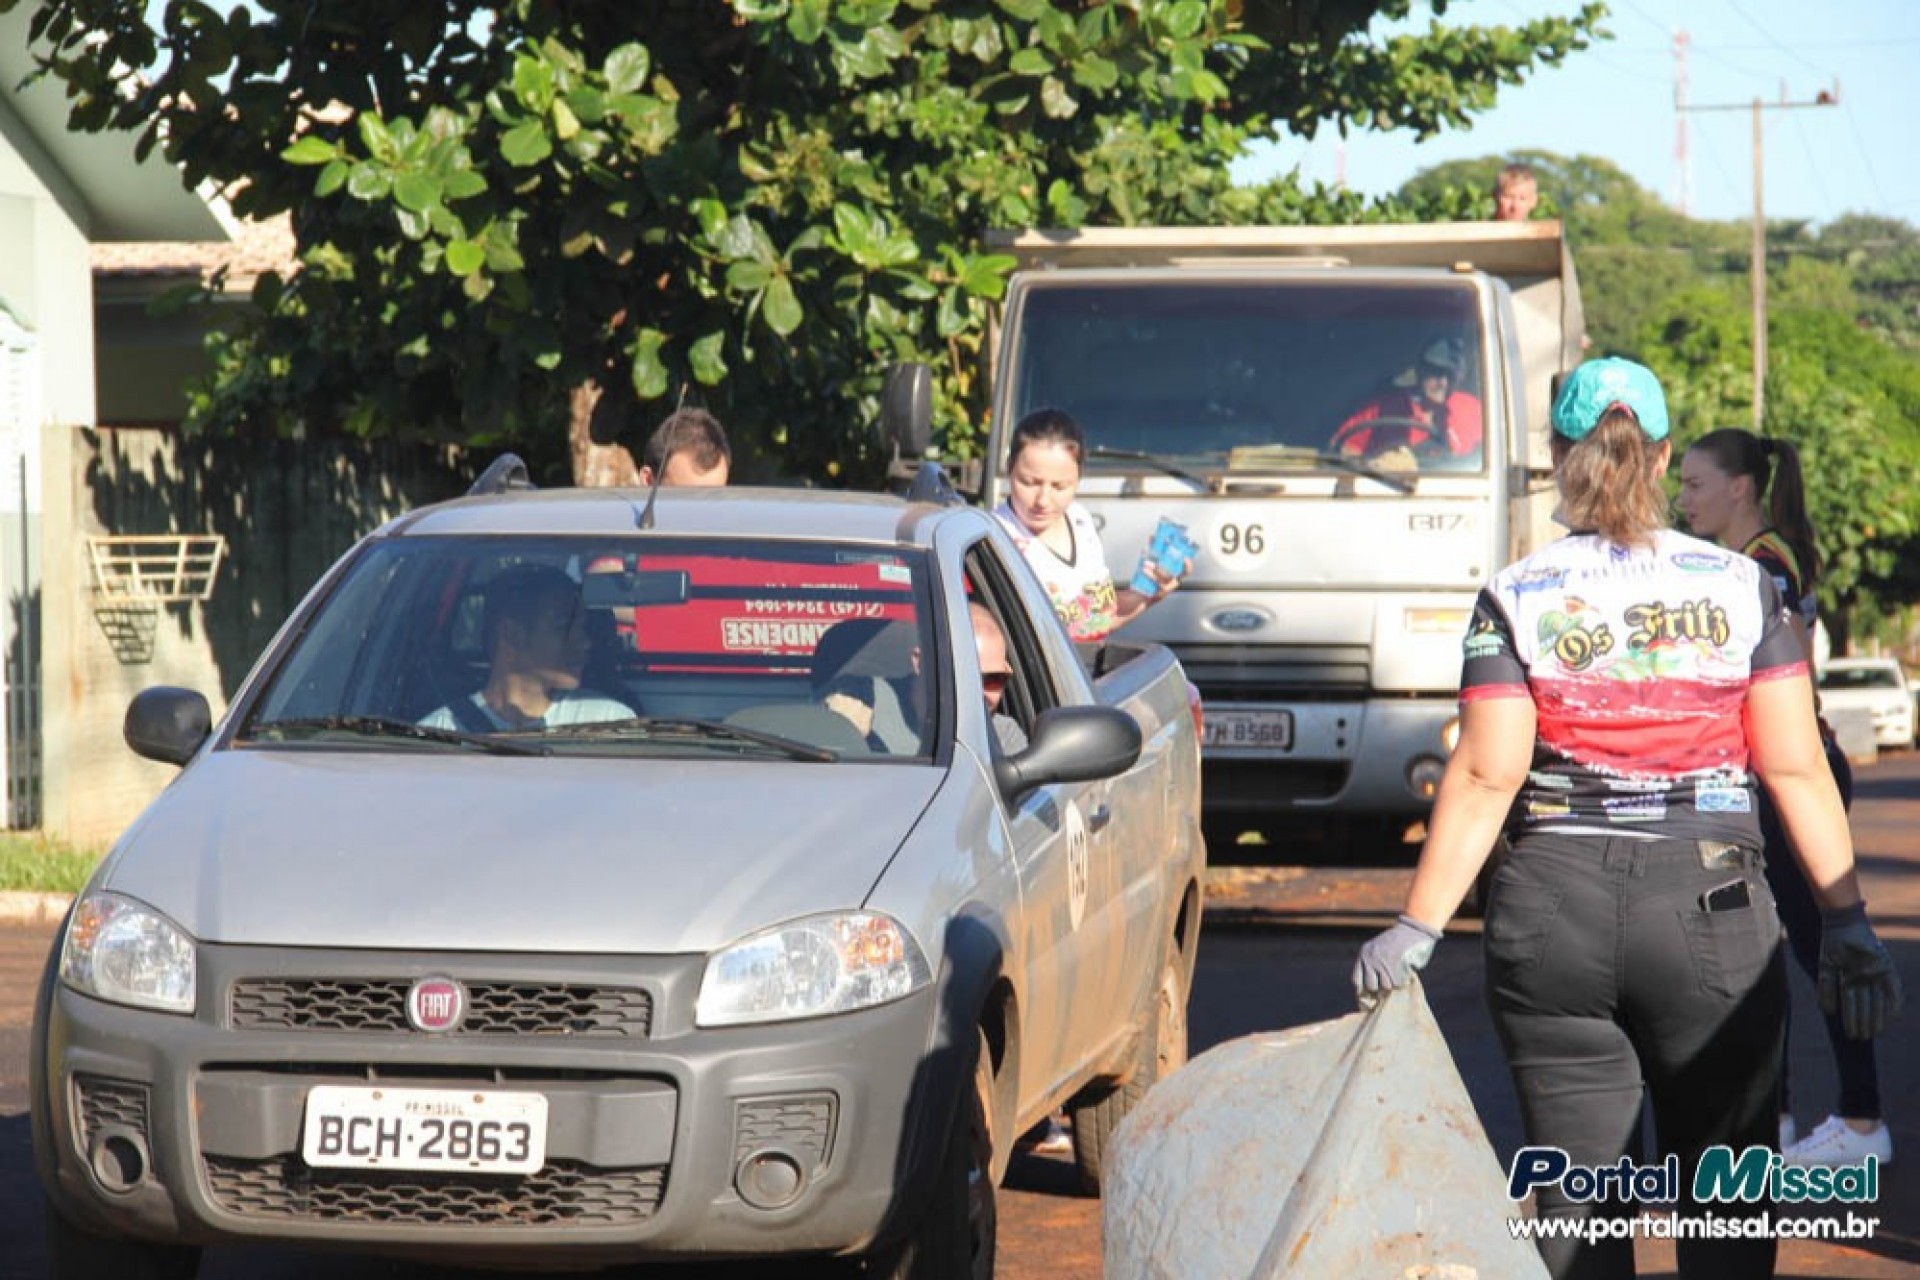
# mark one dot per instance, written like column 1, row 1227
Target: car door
column 1068, row 925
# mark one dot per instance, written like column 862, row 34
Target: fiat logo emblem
column 436, row 1004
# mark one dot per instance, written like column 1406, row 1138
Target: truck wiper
column 382, row 727
column 1344, row 462
column 652, row 727
column 1159, row 464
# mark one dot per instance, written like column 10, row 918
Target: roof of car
column 740, row 511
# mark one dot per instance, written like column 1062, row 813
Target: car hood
column 460, row 852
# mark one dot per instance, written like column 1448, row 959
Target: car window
column 1872, row 677
column 643, row 646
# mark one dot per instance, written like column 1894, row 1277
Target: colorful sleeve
column 1778, row 653
column 1779, row 565
column 1492, row 667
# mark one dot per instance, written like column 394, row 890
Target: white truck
column 1256, row 385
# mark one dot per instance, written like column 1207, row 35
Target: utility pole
column 1825, row 98
column 1680, row 42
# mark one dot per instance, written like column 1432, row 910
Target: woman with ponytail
column 1625, row 692
column 1746, row 491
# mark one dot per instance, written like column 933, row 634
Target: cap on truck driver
column 1599, row 385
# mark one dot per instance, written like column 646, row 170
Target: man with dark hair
column 1515, row 193
column 688, row 448
column 535, row 634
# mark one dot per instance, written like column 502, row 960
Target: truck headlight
column 126, row 952
column 810, row 968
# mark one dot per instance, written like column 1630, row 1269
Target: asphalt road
column 1275, row 953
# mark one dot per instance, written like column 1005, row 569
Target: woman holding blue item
column 1623, row 693
column 1057, row 536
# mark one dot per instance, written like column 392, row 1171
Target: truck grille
column 562, row 1192
column 493, row 1008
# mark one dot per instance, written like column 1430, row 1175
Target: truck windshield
column 1256, row 374
column 806, row 651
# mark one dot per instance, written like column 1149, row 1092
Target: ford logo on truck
column 1240, row 619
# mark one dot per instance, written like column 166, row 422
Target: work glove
column 1857, row 978
column 1388, row 960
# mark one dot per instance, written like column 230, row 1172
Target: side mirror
column 906, row 409
column 1071, row 744
column 167, row 724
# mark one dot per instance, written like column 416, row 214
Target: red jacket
column 1463, row 428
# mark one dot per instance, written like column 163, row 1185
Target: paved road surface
column 1275, row 953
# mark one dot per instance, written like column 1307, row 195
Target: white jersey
column 1080, row 586
column 566, row 709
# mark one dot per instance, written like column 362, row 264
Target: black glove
column 1388, row 960
column 1857, row 977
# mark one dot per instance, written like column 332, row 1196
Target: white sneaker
column 1789, row 1131
column 1834, row 1143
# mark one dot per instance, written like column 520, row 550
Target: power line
column 1769, row 38
column 1819, row 181
column 1846, row 109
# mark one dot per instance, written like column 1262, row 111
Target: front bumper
column 1342, row 757
column 650, row 1119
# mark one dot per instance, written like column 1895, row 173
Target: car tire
column 956, row 1235
column 74, row 1253
column 1160, row 1049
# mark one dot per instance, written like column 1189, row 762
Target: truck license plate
column 454, row 1130
column 1249, row 729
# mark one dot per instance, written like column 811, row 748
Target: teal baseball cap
column 1597, row 386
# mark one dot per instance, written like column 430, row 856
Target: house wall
column 287, row 509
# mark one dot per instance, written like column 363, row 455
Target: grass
column 40, row 863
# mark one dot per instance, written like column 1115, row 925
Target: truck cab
column 1276, row 392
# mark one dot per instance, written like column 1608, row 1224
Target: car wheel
column 77, row 1254
column 956, row 1235
column 1160, row 1049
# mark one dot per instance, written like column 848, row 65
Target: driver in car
column 1431, row 418
column 536, row 637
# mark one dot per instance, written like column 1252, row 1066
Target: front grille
column 1240, row 785
column 801, row 1121
column 562, row 1192
column 105, row 1102
column 493, row 1008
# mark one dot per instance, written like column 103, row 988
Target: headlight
column 126, row 952
column 810, row 968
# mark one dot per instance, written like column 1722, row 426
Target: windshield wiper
column 381, row 727
column 1157, row 463
column 1341, row 461
column 650, row 726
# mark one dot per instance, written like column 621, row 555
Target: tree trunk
column 595, row 465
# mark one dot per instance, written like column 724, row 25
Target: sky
column 1616, row 100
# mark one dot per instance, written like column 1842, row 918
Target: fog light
column 770, row 1178
column 1423, row 776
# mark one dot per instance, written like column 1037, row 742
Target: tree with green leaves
column 511, row 212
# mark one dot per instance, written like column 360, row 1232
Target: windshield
column 805, row 651
column 1257, row 376
column 1868, row 677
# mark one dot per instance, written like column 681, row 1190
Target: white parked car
column 1876, row 685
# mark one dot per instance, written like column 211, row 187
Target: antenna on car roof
column 504, row 474
column 666, row 460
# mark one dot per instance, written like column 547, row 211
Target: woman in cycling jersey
column 1621, row 690
column 1745, row 491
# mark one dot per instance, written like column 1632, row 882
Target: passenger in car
column 991, row 643
column 535, row 634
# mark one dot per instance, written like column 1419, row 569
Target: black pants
column 1853, row 1060
column 1610, row 983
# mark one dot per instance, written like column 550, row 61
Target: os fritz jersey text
column 1638, row 664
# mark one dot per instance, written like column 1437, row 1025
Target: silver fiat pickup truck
column 588, row 877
